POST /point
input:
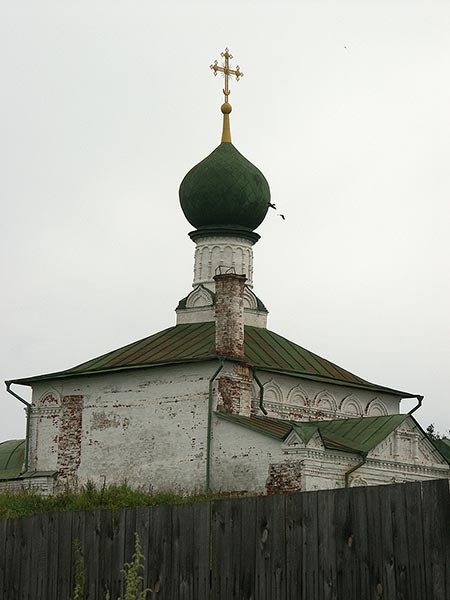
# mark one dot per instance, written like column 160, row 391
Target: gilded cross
column 225, row 69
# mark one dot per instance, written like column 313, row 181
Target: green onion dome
column 225, row 190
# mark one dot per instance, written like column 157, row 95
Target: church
column 218, row 402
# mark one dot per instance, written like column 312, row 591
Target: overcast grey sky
column 345, row 107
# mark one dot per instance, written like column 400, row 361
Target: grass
column 89, row 497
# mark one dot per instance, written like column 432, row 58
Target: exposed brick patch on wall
column 229, row 313
column 69, row 440
column 234, row 391
column 284, row 477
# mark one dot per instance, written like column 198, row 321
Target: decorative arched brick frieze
column 48, row 399
column 351, row 406
column 325, row 400
column 298, row 397
column 273, row 393
column 376, row 408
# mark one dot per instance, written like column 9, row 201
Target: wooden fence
column 388, row 542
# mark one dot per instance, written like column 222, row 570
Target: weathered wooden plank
column 160, row 552
column 105, row 551
column 400, row 540
column 63, row 550
column 436, row 512
column 190, row 551
column 91, row 553
column 3, row 555
column 414, row 528
column 233, row 548
column 15, row 584
column 344, row 533
column 270, row 572
column 201, row 522
column 294, row 546
column 359, row 543
column 40, row 538
column 326, row 546
column 52, row 536
column 143, row 530
column 116, row 532
column 310, row 554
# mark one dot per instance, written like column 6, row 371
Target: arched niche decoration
column 325, row 401
column 376, row 408
column 352, row 406
column 359, row 482
column 200, row 296
column 48, row 398
column 250, row 300
column 239, row 261
column 272, row 392
column 298, row 396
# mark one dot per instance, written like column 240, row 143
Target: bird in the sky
column 282, row 216
column 272, row 205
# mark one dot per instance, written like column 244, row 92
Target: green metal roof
column 264, row 350
column 357, row 435
column 443, row 445
column 12, row 455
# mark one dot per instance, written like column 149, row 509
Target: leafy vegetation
column 435, row 435
column 131, row 571
column 89, row 497
column 80, row 572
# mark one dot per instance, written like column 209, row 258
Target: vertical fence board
column 400, row 541
column 344, row 532
column 63, row 550
column 3, row 557
column 414, row 528
column 270, row 548
column 201, row 515
column 360, row 542
column 143, row 531
column 294, row 547
column 116, row 531
column 161, row 551
column 233, row 543
column 190, row 551
column 436, row 512
column 326, row 546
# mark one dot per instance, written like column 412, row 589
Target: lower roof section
column 12, row 456
column 193, row 342
column 357, row 435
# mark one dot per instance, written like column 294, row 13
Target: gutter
column 28, row 408
column 209, row 427
column 261, row 392
column 353, row 469
column 418, row 405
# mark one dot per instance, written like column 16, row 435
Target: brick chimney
column 230, row 315
column 234, row 386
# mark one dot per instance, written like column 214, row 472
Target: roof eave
column 344, row 383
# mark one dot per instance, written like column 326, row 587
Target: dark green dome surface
column 225, row 189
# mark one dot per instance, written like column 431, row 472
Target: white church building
column 218, row 401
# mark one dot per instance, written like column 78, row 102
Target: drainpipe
column 28, row 408
column 418, row 405
column 353, row 469
column 261, row 392
column 209, row 428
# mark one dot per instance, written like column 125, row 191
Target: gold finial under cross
column 226, row 106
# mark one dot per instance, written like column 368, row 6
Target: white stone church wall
column 293, row 398
column 146, row 427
